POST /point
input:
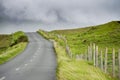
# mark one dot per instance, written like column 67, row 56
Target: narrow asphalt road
column 37, row 62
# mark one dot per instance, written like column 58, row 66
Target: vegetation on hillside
column 11, row 45
column 105, row 35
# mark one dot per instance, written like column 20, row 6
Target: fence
column 109, row 63
column 67, row 48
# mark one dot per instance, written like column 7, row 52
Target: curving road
column 37, row 62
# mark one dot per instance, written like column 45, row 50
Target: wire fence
column 108, row 63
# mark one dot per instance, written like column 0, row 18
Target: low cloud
column 82, row 12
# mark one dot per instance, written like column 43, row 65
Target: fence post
column 113, row 63
column 91, row 52
column 106, row 52
column 101, row 60
column 119, row 62
column 96, row 56
column 88, row 53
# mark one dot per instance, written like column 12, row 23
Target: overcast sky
column 82, row 12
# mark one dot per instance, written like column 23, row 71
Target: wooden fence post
column 88, row 53
column 96, row 56
column 101, row 61
column 113, row 63
column 106, row 52
column 119, row 62
column 91, row 52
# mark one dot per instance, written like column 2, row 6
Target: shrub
column 22, row 39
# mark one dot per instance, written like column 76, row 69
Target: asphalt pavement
column 37, row 62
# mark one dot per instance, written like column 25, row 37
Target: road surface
column 37, row 62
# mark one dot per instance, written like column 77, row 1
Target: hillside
column 11, row 45
column 105, row 35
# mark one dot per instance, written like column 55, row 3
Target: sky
column 73, row 12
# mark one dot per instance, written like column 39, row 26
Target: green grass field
column 11, row 45
column 105, row 35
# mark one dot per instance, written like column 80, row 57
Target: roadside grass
column 11, row 45
column 11, row 52
column 105, row 35
column 71, row 69
column 18, row 37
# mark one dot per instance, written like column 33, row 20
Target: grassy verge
column 12, row 45
column 71, row 69
column 11, row 52
column 105, row 35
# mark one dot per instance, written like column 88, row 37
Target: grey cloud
column 1, row 10
column 83, row 12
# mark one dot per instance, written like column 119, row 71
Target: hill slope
column 11, row 45
column 105, row 35
column 71, row 69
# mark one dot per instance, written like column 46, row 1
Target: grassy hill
column 11, row 45
column 105, row 35
column 72, row 69
column 7, row 40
